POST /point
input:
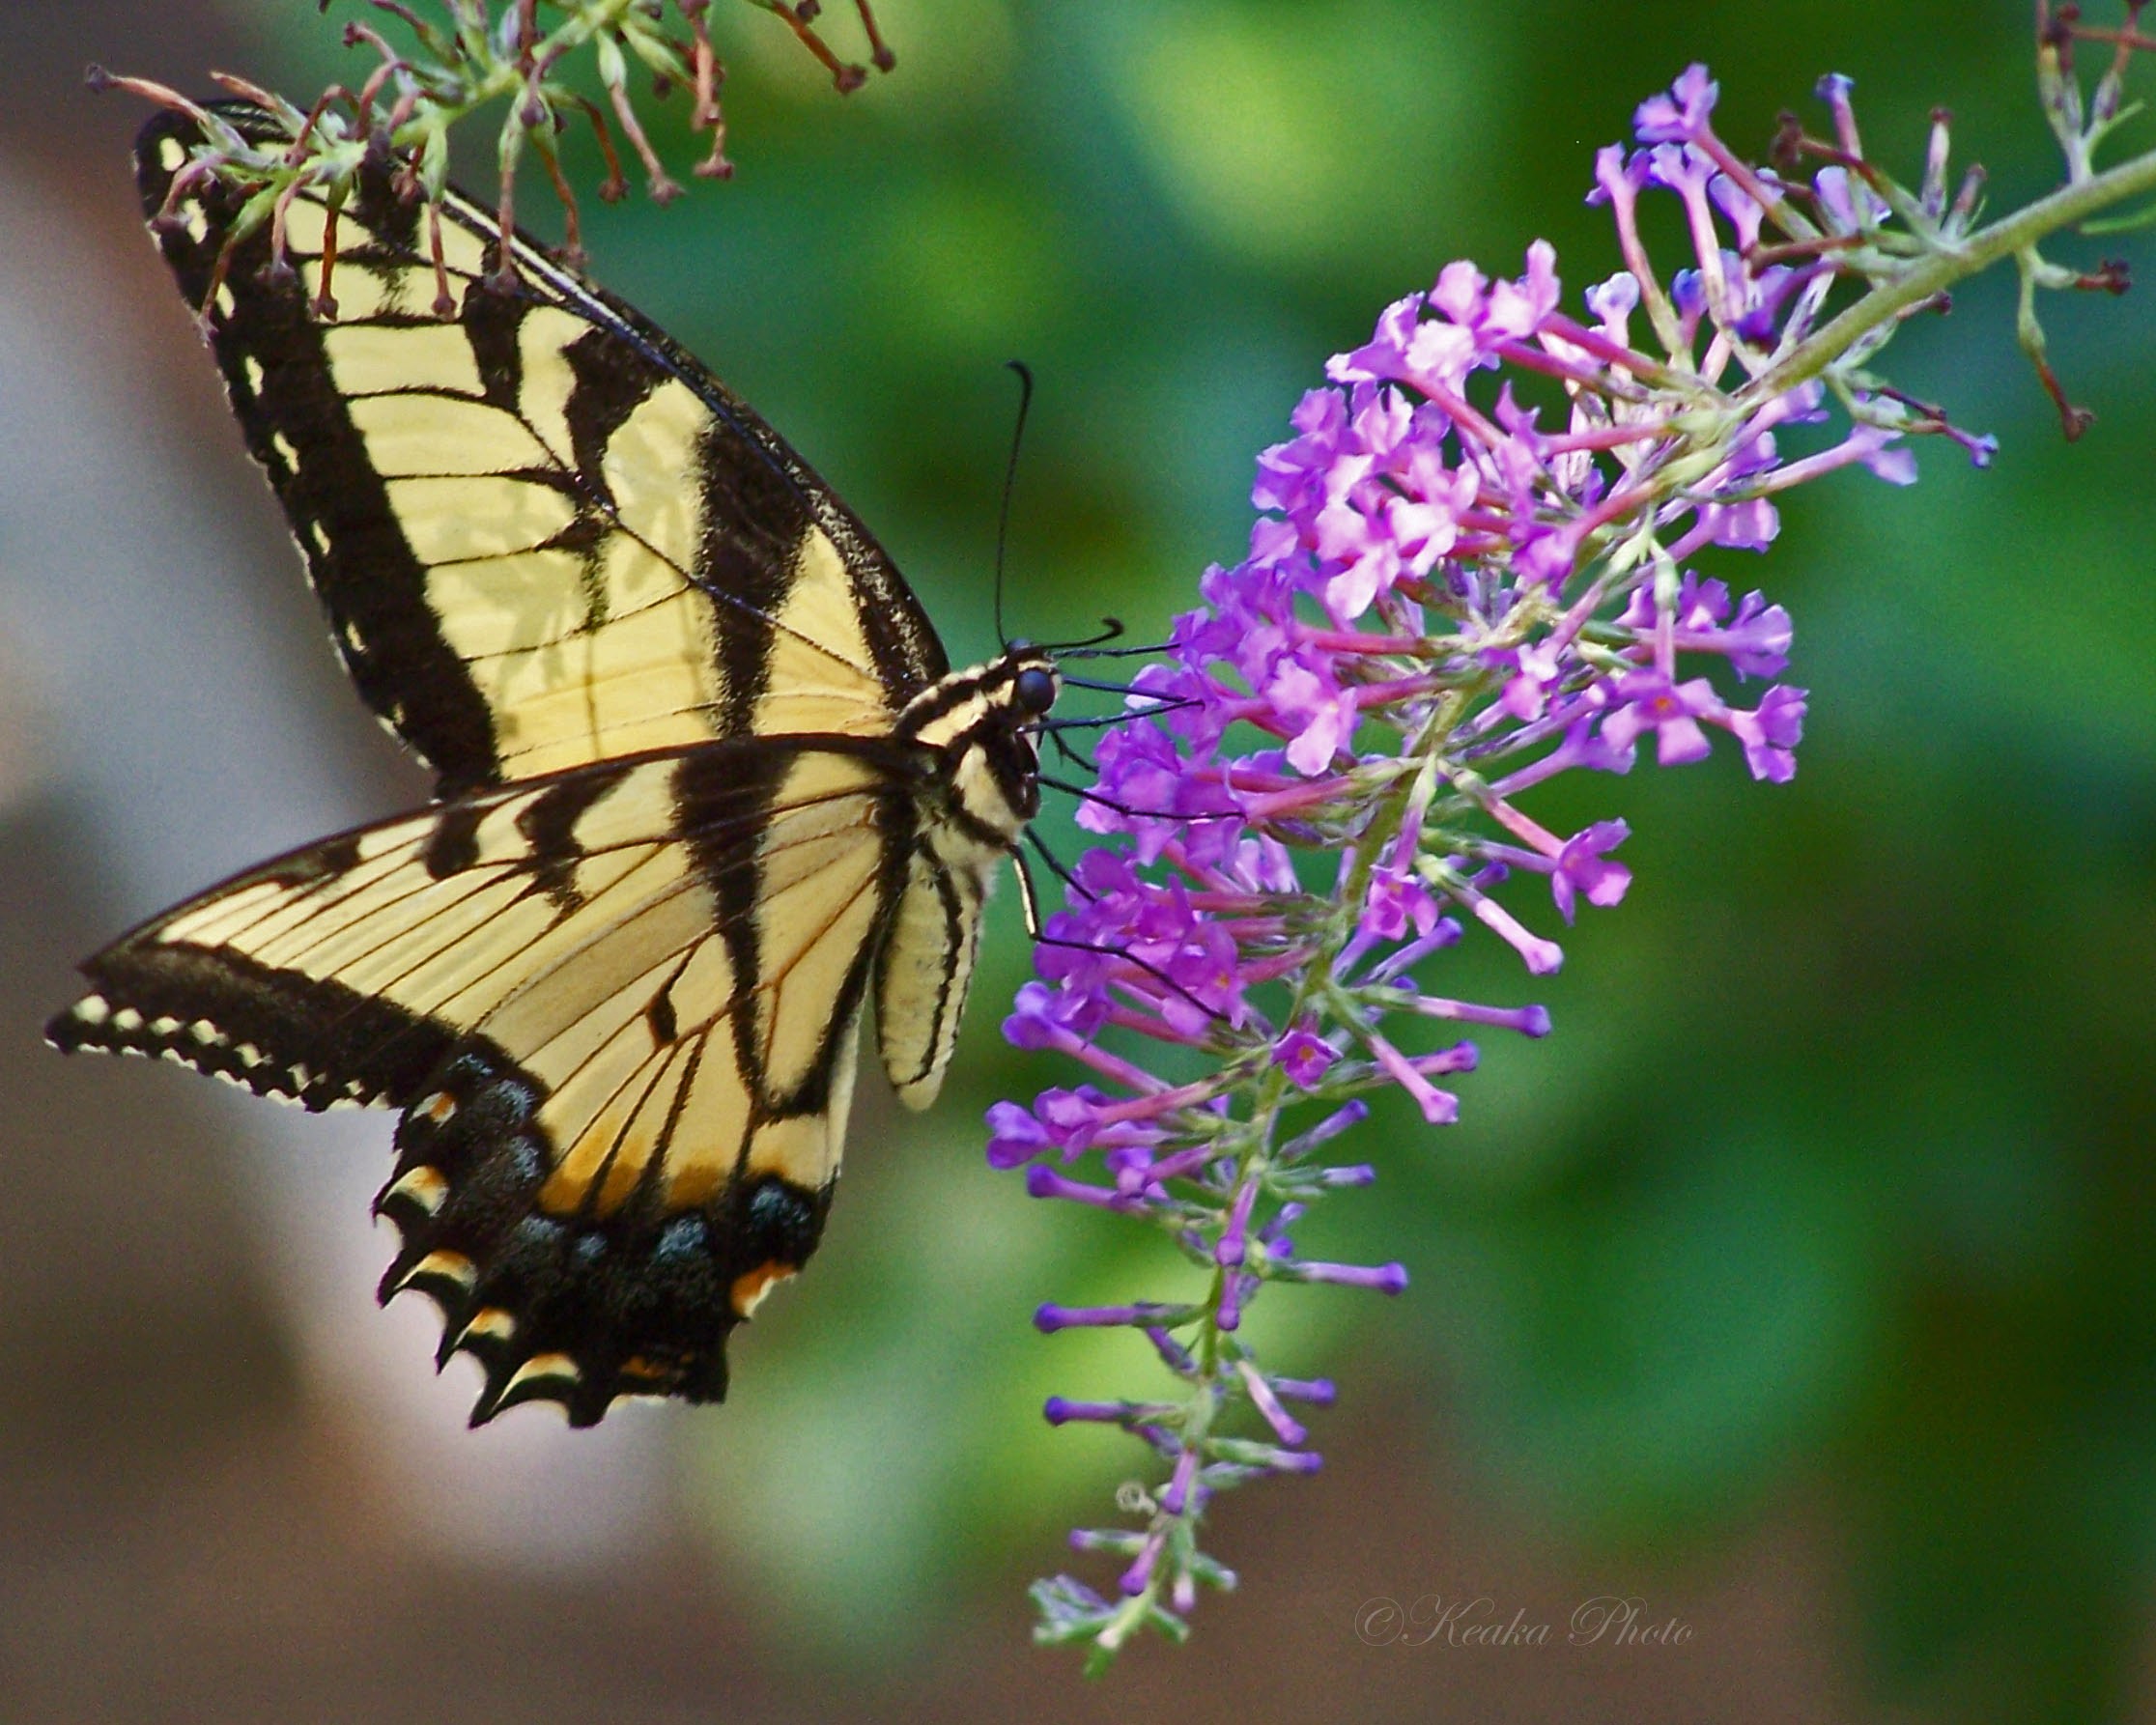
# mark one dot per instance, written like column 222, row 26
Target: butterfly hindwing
column 619, row 1009
column 544, row 534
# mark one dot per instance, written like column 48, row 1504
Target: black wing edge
column 581, row 1309
column 364, row 574
column 577, row 1310
column 277, row 1032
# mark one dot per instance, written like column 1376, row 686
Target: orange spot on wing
column 749, row 1288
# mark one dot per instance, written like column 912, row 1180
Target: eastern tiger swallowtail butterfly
column 707, row 785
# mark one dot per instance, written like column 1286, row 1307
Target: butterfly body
column 707, row 788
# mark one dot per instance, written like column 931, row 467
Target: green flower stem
column 499, row 77
column 1953, row 261
column 1703, row 435
column 1216, row 1390
column 454, row 71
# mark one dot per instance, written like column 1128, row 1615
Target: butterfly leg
column 1028, row 899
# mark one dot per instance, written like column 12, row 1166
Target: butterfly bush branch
column 522, row 54
column 1473, row 569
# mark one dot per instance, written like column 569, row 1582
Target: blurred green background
column 1803, row 1285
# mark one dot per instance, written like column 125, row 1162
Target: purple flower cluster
column 1469, row 573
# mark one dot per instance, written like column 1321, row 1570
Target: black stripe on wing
column 369, row 580
column 277, row 1032
column 908, row 652
column 636, row 1295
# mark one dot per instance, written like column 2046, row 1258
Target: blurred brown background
column 1798, row 1286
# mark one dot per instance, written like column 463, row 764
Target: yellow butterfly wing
column 620, row 1007
column 544, row 534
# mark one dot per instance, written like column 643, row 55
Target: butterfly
column 708, row 786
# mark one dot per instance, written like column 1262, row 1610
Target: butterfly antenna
column 1111, row 628
column 1093, row 650
column 1123, row 689
column 1055, row 863
column 1011, row 480
column 1037, row 929
column 1085, row 796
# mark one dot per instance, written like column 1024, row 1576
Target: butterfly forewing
column 543, row 533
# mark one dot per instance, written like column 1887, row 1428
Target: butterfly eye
column 1034, row 689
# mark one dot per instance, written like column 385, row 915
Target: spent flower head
column 1476, row 565
column 521, row 55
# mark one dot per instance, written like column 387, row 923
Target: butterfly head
column 980, row 721
column 1017, row 692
